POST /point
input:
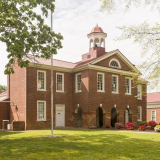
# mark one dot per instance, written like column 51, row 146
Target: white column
column 104, row 43
column 100, row 42
column 93, row 42
column 89, row 43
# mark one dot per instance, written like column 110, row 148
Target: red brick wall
column 4, row 112
column 105, row 63
column 17, row 94
column 59, row 98
column 157, row 114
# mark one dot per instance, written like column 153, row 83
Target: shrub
column 108, row 126
column 142, row 128
column 151, row 124
column 118, row 125
column 142, row 123
column 157, row 128
column 129, row 125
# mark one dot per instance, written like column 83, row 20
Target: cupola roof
column 97, row 29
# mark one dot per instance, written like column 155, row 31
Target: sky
column 74, row 19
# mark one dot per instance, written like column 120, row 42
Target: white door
column 60, row 115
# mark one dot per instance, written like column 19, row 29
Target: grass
column 79, row 145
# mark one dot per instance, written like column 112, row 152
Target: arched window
column 114, row 63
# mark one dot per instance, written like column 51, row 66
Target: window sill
column 41, row 90
column 60, row 91
column 41, row 120
column 139, row 120
column 115, row 92
column 128, row 94
column 100, row 91
column 139, row 99
column 78, row 91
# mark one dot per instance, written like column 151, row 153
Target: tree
column 144, row 34
column 3, row 88
column 24, row 31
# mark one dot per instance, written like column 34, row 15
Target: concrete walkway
column 104, row 129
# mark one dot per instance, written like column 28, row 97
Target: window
column 114, row 63
column 59, row 82
column 100, row 82
column 78, row 82
column 41, row 80
column 153, row 115
column 127, row 86
column 114, row 84
column 41, row 110
column 139, row 110
column 139, row 92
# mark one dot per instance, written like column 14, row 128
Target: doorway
column 113, row 117
column 126, row 115
column 79, row 117
column 99, row 117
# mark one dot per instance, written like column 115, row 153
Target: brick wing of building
column 153, row 107
column 91, row 93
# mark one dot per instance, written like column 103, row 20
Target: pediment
column 117, row 56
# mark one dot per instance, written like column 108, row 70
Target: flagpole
column 51, row 83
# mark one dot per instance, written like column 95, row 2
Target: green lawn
column 79, row 145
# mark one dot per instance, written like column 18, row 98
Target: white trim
column 114, row 59
column 76, row 87
column 108, row 69
column 139, row 87
column 116, row 92
column 155, row 115
column 44, row 80
column 140, row 113
column 62, row 82
column 129, row 86
column 153, row 105
column 103, row 82
column 44, row 111
column 83, row 67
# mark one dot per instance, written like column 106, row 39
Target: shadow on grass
column 79, row 145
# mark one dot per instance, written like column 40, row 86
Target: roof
column 64, row 64
column 97, row 29
column 141, row 79
column 58, row 63
column 91, row 60
column 153, row 97
column 3, row 94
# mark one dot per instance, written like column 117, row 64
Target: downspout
column 9, row 99
column 25, row 98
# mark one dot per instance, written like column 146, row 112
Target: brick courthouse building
column 91, row 93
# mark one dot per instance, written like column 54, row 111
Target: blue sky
column 74, row 19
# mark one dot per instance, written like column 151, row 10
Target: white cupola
column 97, row 37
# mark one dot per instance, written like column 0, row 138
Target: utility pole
column 51, row 83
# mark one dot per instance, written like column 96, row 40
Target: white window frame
column 129, row 85
column 113, row 59
column 44, row 111
column 116, row 92
column 155, row 115
column 76, row 86
column 62, row 82
column 103, row 82
column 139, row 87
column 38, row 89
column 140, row 113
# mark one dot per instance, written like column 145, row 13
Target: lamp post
column 51, row 84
